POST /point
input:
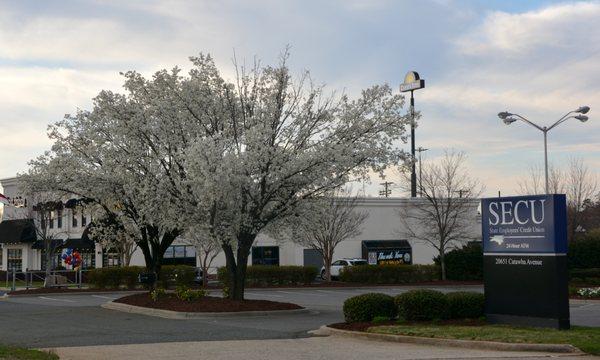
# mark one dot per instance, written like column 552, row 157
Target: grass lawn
column 20, row 283
column 585, row 338
column 15, row 353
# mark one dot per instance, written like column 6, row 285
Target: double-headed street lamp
column 509, row 118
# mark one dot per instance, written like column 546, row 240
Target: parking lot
column 78, row 320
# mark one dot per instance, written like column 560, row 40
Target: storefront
column 16, row 237
column 387, row 252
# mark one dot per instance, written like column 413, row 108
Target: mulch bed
column 205, row 304
column 363, row 326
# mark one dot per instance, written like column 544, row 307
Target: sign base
column 527, row 289
column 562, row 324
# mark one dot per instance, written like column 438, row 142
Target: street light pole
column 420, row 150
column 510, row 118
column 413, row 174
column 545, row 130
column 412, row 82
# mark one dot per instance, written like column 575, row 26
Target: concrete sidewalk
column 331, row 348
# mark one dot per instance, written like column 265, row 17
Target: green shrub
column 114, row 277
column 585, row 276
column 584, row 253
column 157, row 294
column 390, row 274
column 366, row 307
column 184, row 293
column 465, row 263
column 465, row 305
column 176, row 275
column 422, row 304
column 265, row 275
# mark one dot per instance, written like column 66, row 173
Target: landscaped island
column 173, row 302
column 457, row 315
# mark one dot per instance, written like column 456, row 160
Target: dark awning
column 39, row 244
column 387, row 252
column 79, row 244
column 386, row 245
column 17, row 231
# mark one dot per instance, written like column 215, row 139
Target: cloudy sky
column 537, row 58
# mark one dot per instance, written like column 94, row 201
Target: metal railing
column 31, row 279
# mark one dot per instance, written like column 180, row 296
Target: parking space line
column 335, row 292
column 103, row 297
column 48, row 298
column 266, row 294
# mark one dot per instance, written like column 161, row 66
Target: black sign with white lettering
column 525, row 263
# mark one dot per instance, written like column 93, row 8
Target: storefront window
column 180, row 255
column 110, row 259
column 59, row 219
column 265, row 255
column 14, row 259
column 88, row 260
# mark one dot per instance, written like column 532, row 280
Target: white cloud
column 562, row 27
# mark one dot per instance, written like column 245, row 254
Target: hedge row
column 390, row 274
column 263, row 275
column 366, row 307
column 464, row 264
column 584, row 253
column 585, row 276
column 414, row 305
column 127, row 276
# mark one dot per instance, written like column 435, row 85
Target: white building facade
column 382, row 237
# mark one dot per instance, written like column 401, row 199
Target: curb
column 472, row 344
column 584, row 301
column 169, row 314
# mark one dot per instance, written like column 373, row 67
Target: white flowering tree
column 234, row 157
column 279, row 142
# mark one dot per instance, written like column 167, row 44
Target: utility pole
column 387, row 191
column 412, row 82
column 461, row 192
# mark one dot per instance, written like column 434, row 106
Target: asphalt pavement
column 78, row 320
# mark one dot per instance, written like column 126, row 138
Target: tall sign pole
column 412, row 82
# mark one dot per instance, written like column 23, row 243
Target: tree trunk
column 237, row 265
column 443, row 263
column 327, row 263
column 49, row 256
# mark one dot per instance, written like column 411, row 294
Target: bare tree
column 581, row 187
column 208, row 247
column 42, row 215
column 533, row 182
column 576, row 181
column 325, row 222
column 443, row 216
